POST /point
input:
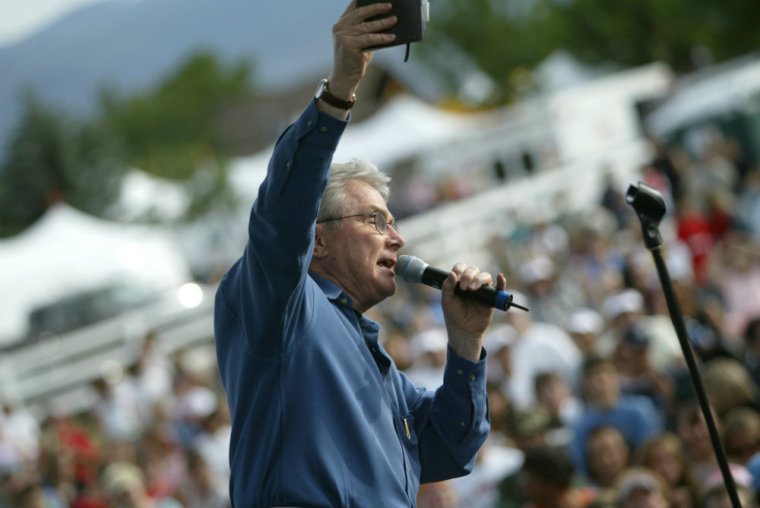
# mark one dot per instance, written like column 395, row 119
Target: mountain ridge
column 130, row 45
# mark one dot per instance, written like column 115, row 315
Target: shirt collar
column 329, row 288
column 333, row 293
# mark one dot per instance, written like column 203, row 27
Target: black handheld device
column 412, row 16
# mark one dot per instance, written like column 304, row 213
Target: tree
column 503, row 36
column 171, row 131
column 52, row 157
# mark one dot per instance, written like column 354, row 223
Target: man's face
column 607, row 455
column 602, row 386
column 357, row 257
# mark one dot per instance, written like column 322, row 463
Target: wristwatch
column 323, row 94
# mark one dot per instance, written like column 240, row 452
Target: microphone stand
column 650, row 208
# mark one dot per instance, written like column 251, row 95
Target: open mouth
column 387, row 263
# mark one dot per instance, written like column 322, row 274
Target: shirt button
column 309, row 123
column 343, row 300
column 287, row 164
column 460, row 372
column 323, row 129
column 462, row 424
column 472, row 377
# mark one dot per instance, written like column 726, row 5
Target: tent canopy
column 68, row 251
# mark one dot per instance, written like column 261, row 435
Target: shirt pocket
column 410, row 444
column 407, row 433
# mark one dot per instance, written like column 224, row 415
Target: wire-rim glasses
column 378, row 219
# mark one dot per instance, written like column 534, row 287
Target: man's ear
column 320, row 243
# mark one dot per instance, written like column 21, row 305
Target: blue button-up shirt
column 321, row 417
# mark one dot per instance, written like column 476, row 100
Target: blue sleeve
column 453, row 423
column 260, row 288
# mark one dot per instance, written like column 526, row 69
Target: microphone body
column 413, row 269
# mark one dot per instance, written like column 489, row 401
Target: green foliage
column 497, row 41
column 502, row 36
column 52, row 157
column 168, row 131
column 171, row 130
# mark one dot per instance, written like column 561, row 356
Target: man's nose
column 395, row 238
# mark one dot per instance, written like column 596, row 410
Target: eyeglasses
column 378, row 219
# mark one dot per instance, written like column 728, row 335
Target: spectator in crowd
column 636, row 417
column 584, row 325
column 714, row 493
column 547, row 480
column 692, row 430
column 500, row 411
column 119, row 409
column 154, row 370
column 735, row 270
column 694, row 230
column 608, row 455
column 664, row 454
column 555, row 395
column 499, row 339
column 624, row 308
column 430, row 350
column 537, row 347
column 552, row 296
column 740, row 434
column 636, row 374
column 642, row 488
column 124, row 485
column 748, row 203
column 751, row 356
column 529, row 429
column 496, row 461
column 20, row 430
column 728, row 385
column 200, row 490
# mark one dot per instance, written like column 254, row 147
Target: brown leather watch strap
column 323, row 94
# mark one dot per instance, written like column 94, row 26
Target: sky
column 20, row 18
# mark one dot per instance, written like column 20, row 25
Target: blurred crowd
column 590, row 399
column 157, row 436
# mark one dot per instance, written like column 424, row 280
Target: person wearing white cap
column 639, row 487
column 430, row 349
column 537, row 347
column 584, row 325
column 552, row 294
column 626, row 307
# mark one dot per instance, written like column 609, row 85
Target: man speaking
column 321, row 417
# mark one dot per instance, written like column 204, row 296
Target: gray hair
column 334, row 197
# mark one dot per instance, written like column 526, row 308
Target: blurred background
column 134, row 135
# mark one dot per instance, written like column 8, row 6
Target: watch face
column 321, row 88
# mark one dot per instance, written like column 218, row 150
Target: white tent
column 67, row 250
column 717, row 91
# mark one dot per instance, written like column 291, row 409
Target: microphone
column 413, row 269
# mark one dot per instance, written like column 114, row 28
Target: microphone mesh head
column 410, row 268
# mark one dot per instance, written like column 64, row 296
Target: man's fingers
column 470, row 277
column 355, row 33
column 369, row 10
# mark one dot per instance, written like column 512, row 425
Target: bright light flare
column 190, row 295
